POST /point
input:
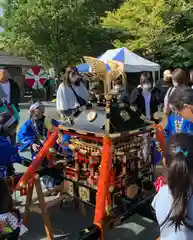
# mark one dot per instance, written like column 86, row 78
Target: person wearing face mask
column 179, row 78
column 145, row 98
column 72, row 92
column 119, row 91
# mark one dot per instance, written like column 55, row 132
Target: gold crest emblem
column 91, row 116
column 125, row 115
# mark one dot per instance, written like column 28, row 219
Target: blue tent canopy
column 84, row 67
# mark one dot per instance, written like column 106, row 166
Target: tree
column 42, row 30
column 158, row 29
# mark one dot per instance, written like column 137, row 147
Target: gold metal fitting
column 108, row 97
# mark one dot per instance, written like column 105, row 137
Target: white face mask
column 146, row 87
column 175, row 84
column 117, row 88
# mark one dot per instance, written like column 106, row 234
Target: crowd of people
column 173, row 203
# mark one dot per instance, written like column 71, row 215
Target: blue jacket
column 186, row 127
column 27, row 134
column 9, row 153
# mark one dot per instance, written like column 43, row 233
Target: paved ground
column 68, row 221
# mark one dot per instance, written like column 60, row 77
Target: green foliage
column 159, row 29
column 44, row 29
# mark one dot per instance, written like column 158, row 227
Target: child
column 10, row 218
column 173, row 203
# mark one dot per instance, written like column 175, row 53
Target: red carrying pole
column 104, row 182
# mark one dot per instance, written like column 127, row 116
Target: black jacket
column 14, row 93
column 138, row 100
column 163, row 86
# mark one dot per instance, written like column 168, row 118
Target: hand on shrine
column 59, row 139
column 35, row 147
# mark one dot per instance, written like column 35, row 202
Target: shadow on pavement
column 136, row 228
column 68, row 222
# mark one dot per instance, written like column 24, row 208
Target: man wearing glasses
column 181, row 103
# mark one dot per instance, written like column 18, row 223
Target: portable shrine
column 113, row 130
column 107, row 153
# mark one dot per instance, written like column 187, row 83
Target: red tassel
column 23, row 191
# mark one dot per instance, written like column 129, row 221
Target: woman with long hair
column 72, row 92
column 173, row 203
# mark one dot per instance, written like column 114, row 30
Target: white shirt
column 66, row 99
column 162, row 205
column 6, row 88
column 147, row 98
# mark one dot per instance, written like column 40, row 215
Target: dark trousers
column 13, row 139
column 49, row 93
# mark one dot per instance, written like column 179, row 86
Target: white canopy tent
column 132, row 62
